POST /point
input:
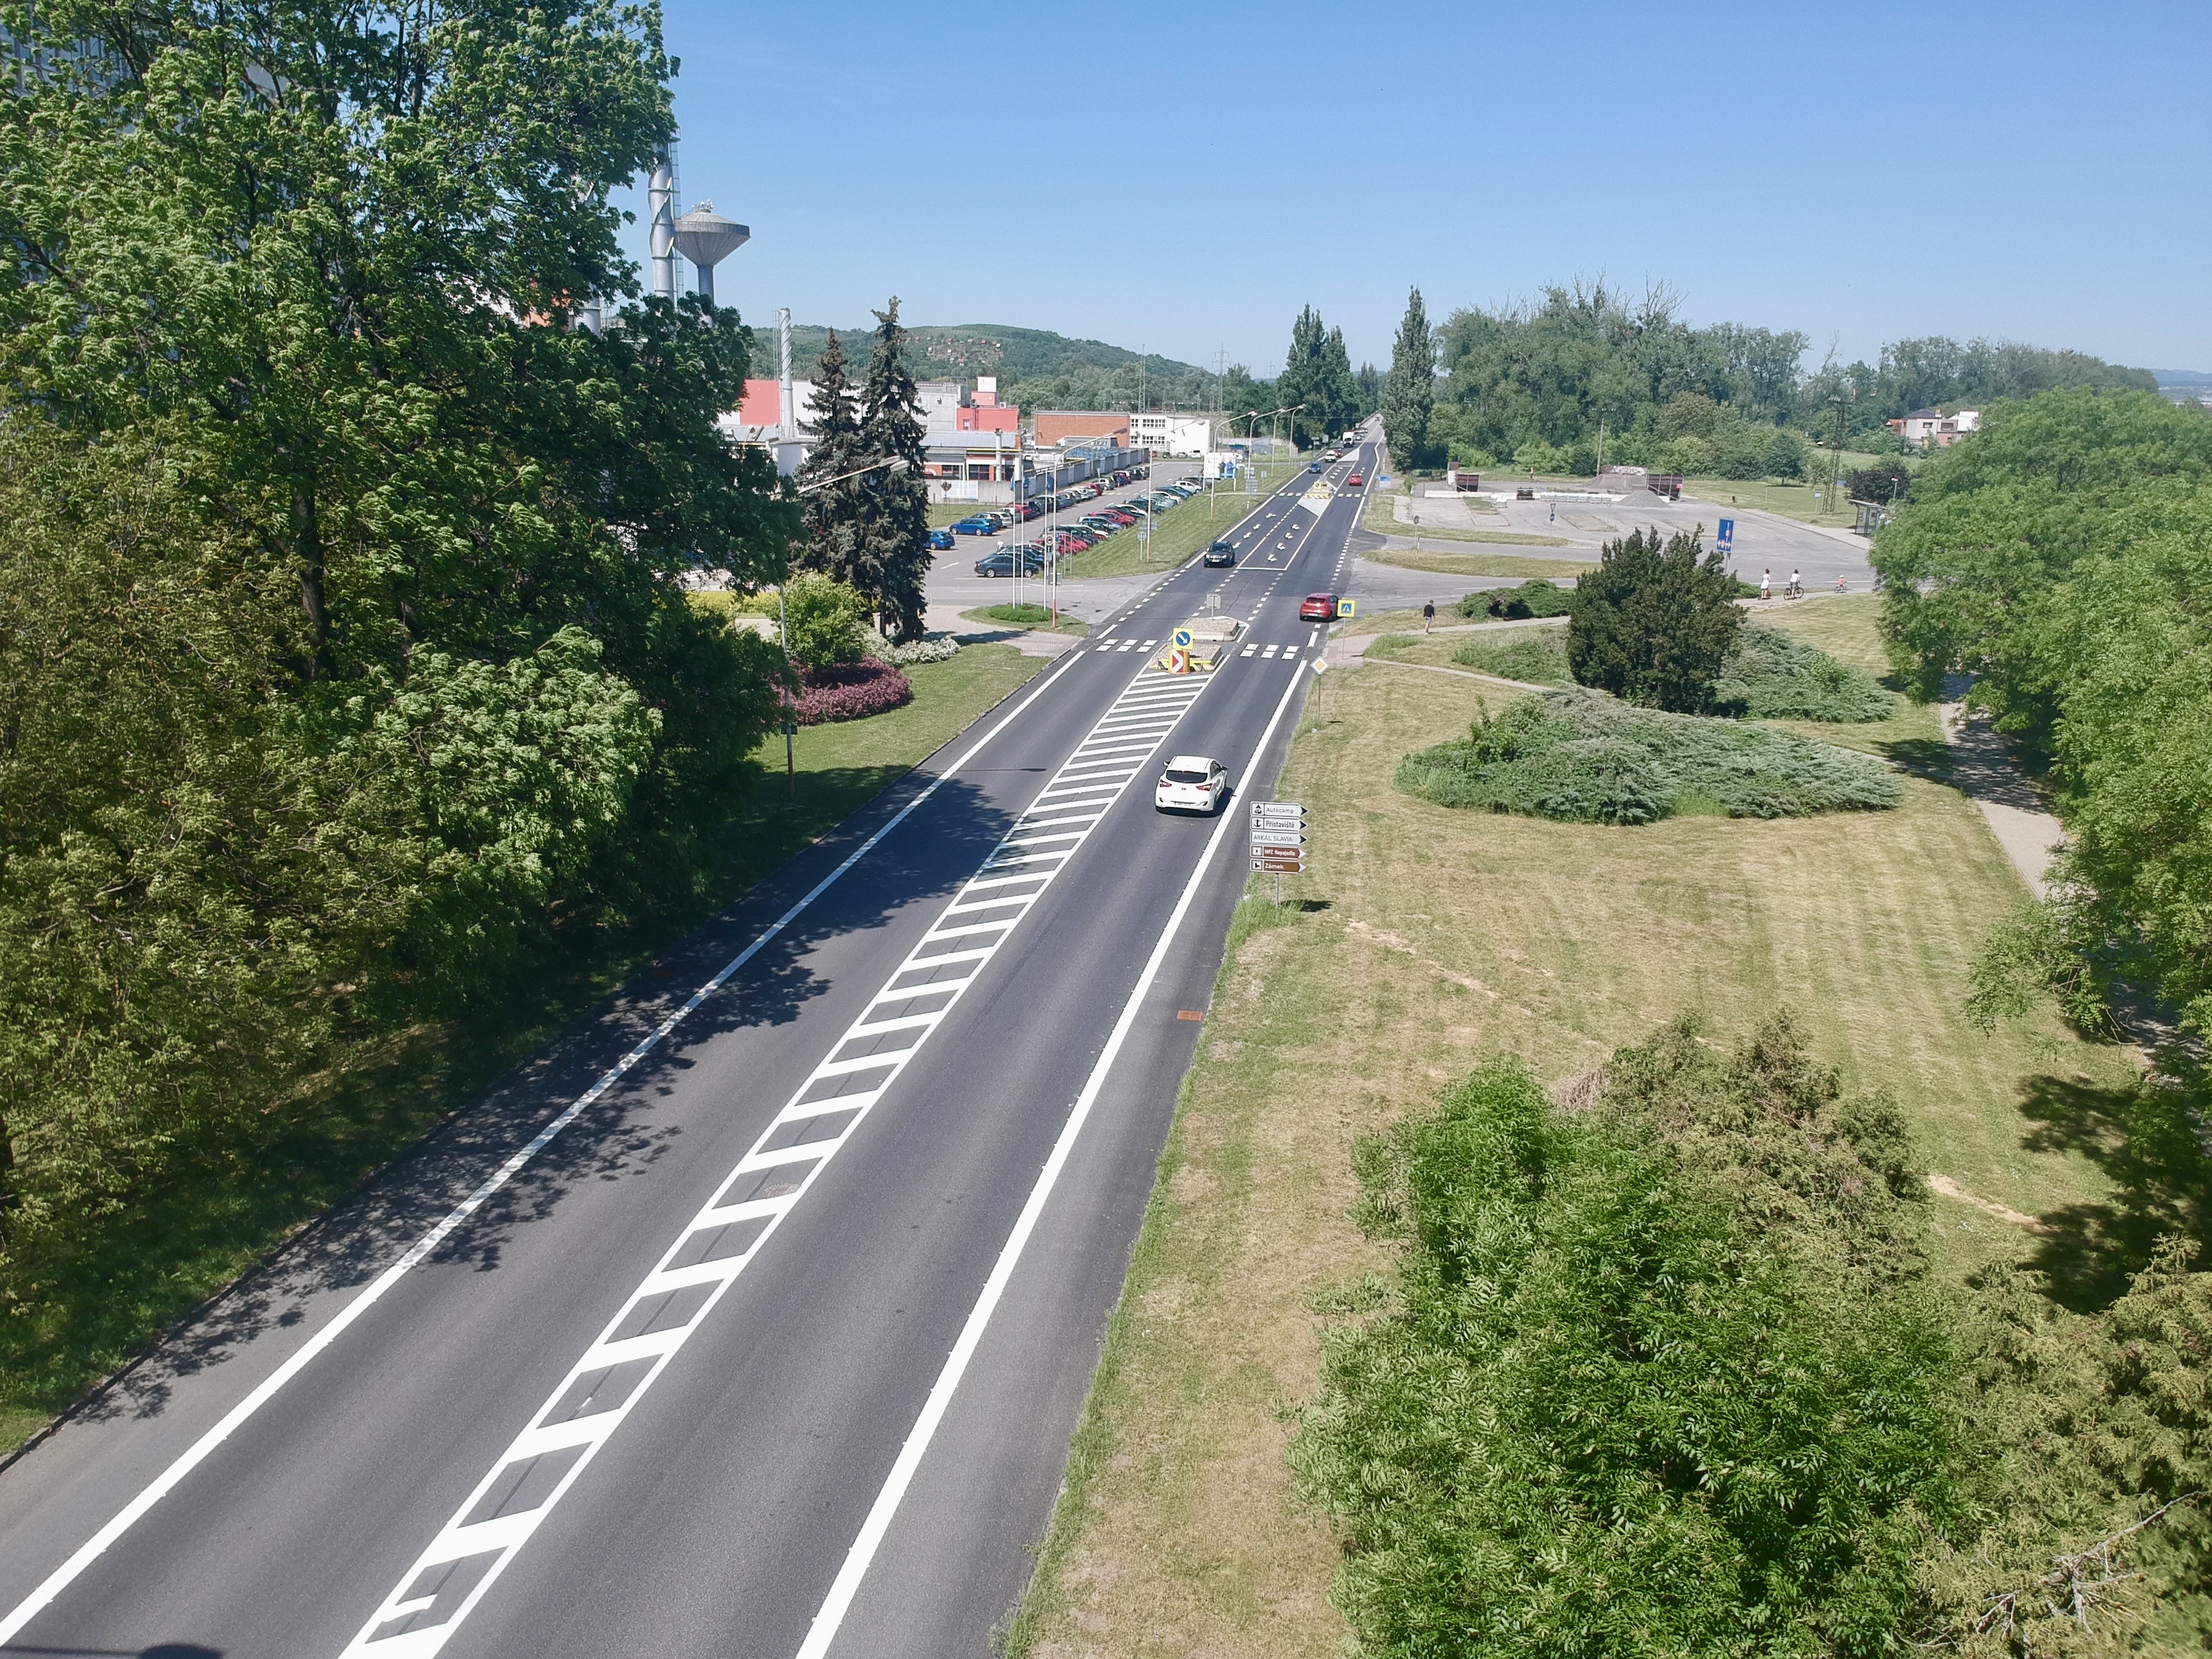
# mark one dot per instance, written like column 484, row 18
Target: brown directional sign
column 1260, row 851
column 1288, row 867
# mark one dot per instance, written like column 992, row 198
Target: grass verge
column 1178, row 533
column 1483, row 564
column 155, row 1266
column 1428, row 938
column 1037, row 617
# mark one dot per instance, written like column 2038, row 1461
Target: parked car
column 940, row 539
column 1001, row 560
column 1192, row 783
column 1220, row 555
column 976, row 526
column 1317, row 607
column 1122, row 516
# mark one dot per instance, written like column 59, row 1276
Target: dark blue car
column 940, row 539
column 978, row 526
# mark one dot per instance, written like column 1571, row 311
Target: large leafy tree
column 1317, row 373
column 1654, row 622
column 345, row 653
column 894, row 527
column 1409, row 395
column 2062, row 557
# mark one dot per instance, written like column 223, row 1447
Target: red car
column 1124, row 520
column 1354, row 482
column 1317, row 607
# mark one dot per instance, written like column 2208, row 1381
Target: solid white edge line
column 847, row 1585
column 198, row 1452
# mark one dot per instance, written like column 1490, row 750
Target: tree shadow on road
column 481, row 1093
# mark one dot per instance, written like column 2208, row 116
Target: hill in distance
column 961, row 351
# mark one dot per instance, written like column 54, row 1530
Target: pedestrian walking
column 1428, row 616
column 1766, row 584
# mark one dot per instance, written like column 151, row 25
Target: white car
column 1192, row 783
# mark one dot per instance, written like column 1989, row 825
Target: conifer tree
column 1655, row 621
column 894, row 520
column 1409, row 394
column 833, row 512
column 1303, row 377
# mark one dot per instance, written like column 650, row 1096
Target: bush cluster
column 1533, row 598
column 850, row 691
column 1772, row 676
column 930, row 648
column 1579, row 757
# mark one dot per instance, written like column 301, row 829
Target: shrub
column 1654, row 622
column 824, row 622
column 1771, row 676
column 1533, row 598
column 930, row 648
column 1536, row 655
column 1580, row 757
column 850, row 691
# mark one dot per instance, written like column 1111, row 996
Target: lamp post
column 895, row 464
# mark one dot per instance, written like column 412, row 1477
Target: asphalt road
column 765, row 1336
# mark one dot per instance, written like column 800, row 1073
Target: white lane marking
column 1248, row 650
column 823, row 1630
column 197, row 1453
column 707, row 1256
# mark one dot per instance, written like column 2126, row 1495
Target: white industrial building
column 1172, row 435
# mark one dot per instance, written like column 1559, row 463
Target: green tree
column 1317, row 373
column 894, row 522
column 1654, row 623
column 365, row 560
column 1409, row 396
column 1662, row 1379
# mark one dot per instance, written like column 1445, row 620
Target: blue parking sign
column 1726, row 535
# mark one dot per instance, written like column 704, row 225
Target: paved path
column 1982, row 768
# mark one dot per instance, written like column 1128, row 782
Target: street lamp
column 895, row 464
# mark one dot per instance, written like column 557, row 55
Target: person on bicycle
column 1796, row 584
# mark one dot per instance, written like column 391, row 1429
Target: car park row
column 1076, row 536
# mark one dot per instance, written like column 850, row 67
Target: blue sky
column 1187, row 180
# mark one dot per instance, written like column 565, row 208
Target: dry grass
column 1433, row 936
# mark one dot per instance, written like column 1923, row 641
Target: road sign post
column 1724, row 537
column 1279, row 840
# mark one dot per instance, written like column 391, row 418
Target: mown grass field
column 1423, row 939
column 1791, row 499
column 382, row 1094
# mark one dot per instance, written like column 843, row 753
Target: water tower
column 706, row 239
